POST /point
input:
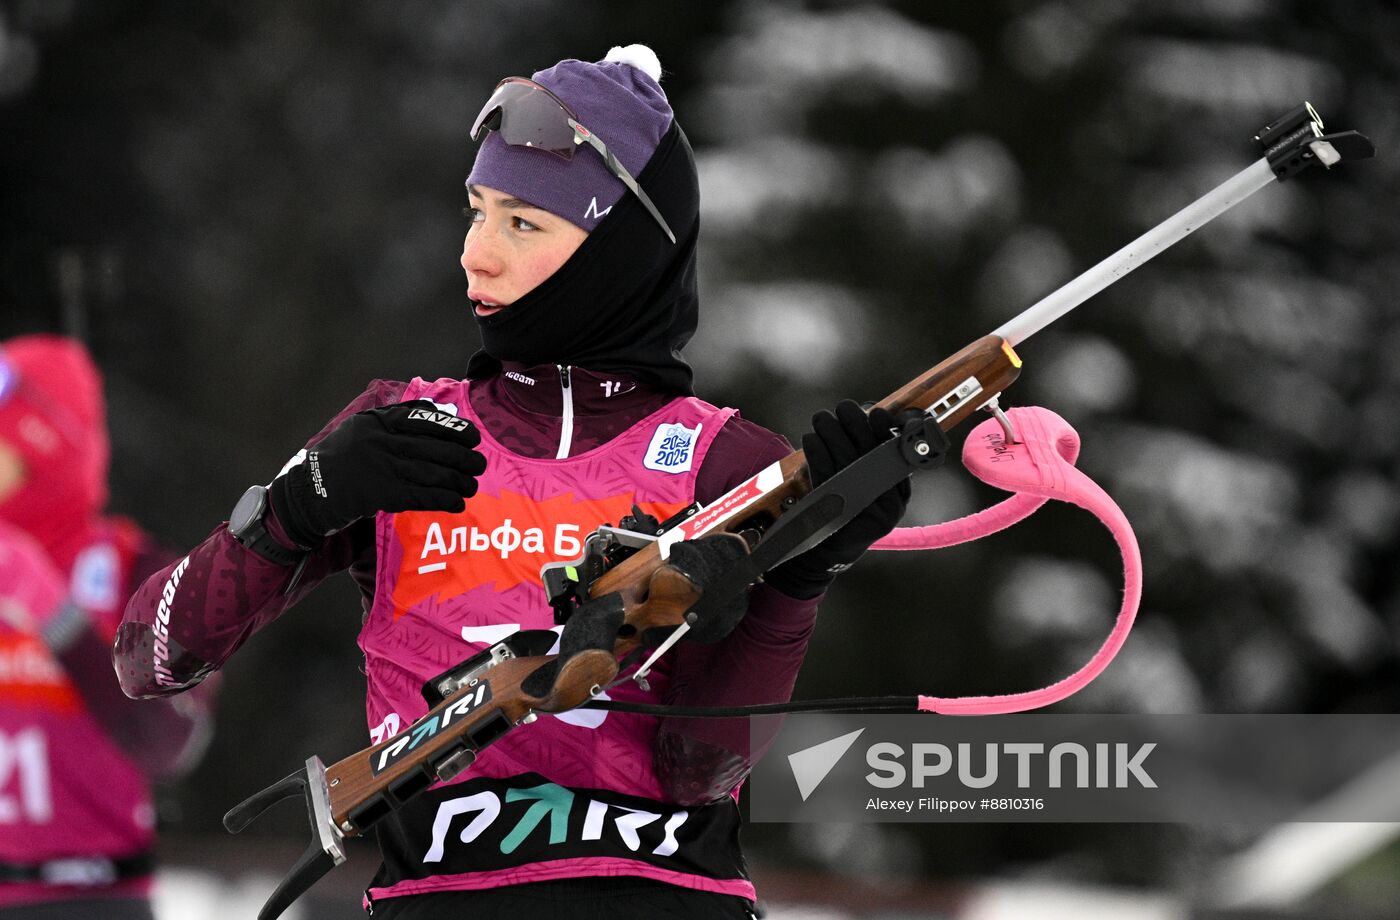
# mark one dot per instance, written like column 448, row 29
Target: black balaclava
column 625, row 301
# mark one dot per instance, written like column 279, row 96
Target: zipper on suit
column 566, row 425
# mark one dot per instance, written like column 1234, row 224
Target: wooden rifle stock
column 989, row 362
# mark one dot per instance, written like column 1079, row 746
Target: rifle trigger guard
column 525, row 643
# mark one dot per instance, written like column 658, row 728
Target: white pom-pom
column 639, row 56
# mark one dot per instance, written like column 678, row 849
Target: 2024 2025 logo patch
column 672, row 448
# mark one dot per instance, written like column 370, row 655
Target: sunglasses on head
column 525, row 114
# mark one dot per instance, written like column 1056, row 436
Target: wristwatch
column 247, row 522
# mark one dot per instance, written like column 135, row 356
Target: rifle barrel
column 1166, row 234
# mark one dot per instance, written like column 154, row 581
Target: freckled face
column 511, row 248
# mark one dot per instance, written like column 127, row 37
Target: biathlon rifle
column 644, row 603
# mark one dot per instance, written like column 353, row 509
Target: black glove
column 706, row 561
column 835, row 442
column 406, row 457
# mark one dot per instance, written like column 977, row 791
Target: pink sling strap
column 1039, row 467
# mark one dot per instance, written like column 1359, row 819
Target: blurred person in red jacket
column 77, row 821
